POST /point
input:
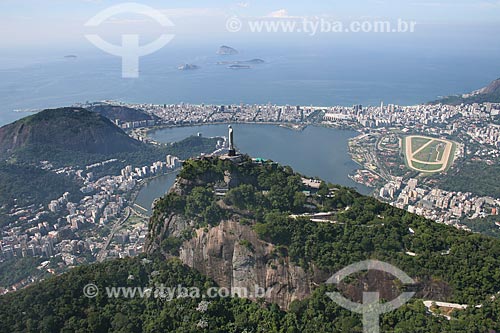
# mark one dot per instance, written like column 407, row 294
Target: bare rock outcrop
column 234, row 256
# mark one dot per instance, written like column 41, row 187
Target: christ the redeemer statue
column 232, row 151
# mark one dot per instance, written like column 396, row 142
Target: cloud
column 192, row 12
column 454, row 4
column 243, row 4
column 281, row 13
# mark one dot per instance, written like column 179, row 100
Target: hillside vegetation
column 75, row 138
column 59, row 305
column 363, row 228
column 70, row 129
column 488, row 94
column 449, row 264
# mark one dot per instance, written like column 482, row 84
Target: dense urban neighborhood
column 467, row 132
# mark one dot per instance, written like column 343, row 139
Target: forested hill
column 447, row 264
column 77, row 137
column 71, row 138
column 258, row 208
column 120, row 112
column 488, row 94
column 72, row 129
column 60, row 305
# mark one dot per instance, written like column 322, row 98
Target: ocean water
column 306, row 73
column 331, row 70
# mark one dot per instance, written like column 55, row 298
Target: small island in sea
column 239, row 67
column 188, row 67
column 227, row 50
column 242, row 62
column 70, row 56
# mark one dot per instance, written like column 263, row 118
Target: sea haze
column 297, row 72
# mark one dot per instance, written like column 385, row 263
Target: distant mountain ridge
column 492, row 88
column 71, row 129
column 120, row 112
column 488, row 94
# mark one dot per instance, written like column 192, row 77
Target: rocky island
column 188, row 67
column 227, row 50
column 242, row 62
column 239, row 67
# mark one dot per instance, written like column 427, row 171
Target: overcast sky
column 35, row 22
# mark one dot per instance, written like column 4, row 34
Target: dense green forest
column 25, row 185
column 72, row 129
column 22, row 183
column 59, row 305
column 14, row 270
column 60, row 157
column 467, row 264
column 449, row 264
column 485, row 226
column 76, row 138
column 470, row 176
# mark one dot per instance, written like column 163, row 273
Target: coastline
column 145, row 131
column 355, row 132
column 292, row 126
column 140, row 186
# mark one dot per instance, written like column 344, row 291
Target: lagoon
column 314, row 151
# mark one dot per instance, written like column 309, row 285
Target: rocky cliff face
column 236, row 258
column 233, row 256
column 488, row 94
column 232, row 253
column 492, row 88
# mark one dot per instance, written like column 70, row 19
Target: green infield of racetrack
column 429, row 168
